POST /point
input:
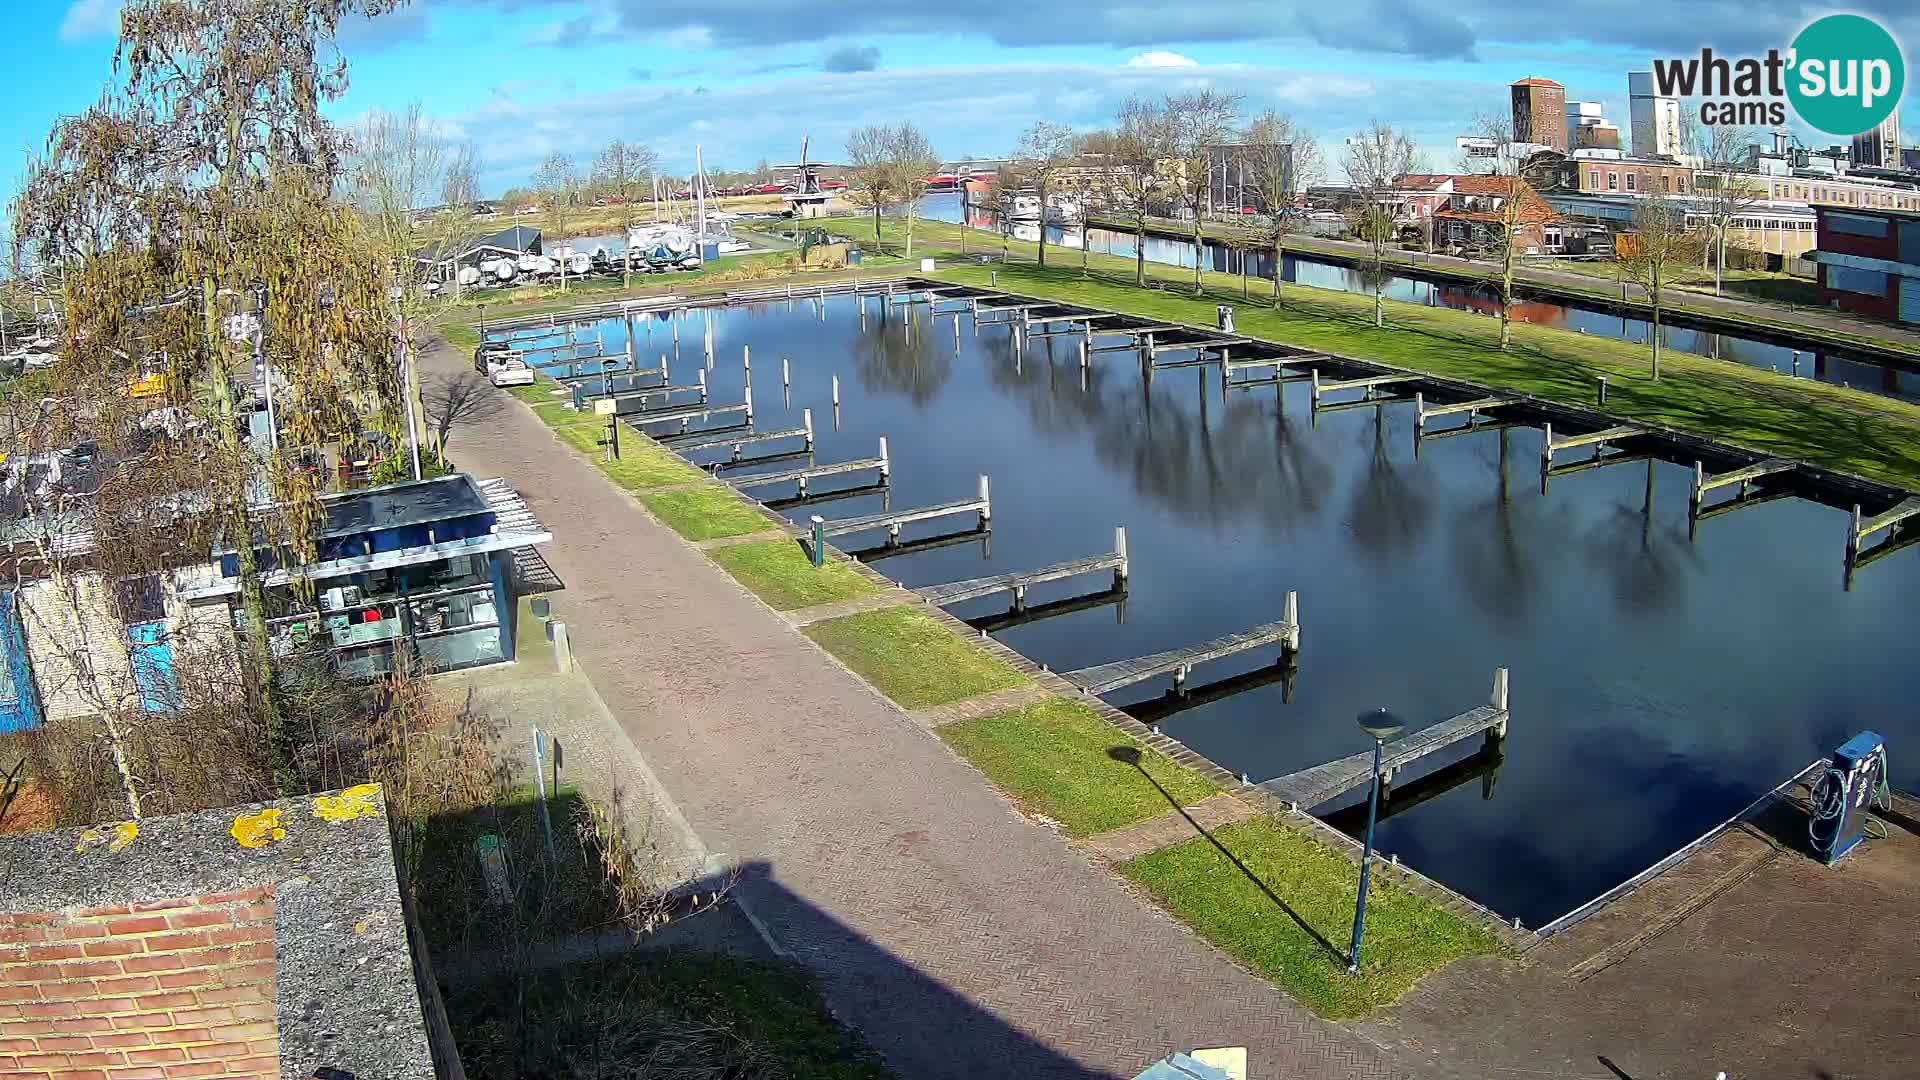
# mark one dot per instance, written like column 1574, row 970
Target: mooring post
column 1290, row 614
column 749, row 403
column 1316, row 387
column 993, row 279
column 1853, row 536
column 819, row 540
column 1699, row 485
column 676, row 329
column 1796, row 363
column 1120, row 549
column 1419, row 418
column 1603, row 389
column 886, row 466
column 1083, row 354
column 1498, row 700
column 632, row 362
column 986, row 502
column 746, row 359
column 701, row 375
column 836, row 391
column 1020, row 597
column 786, row 373
column 806, row 422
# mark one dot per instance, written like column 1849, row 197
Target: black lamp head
column 1380, row 724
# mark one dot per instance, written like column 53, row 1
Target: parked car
column 509, row 372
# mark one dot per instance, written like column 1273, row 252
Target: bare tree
column 1725, row 182
column 1130, row 176
column 1653, row 254
column 912, row 160
column 1045, row 150
column 1199, row 124
column 1284, row 158
column 461, row 399
column 1498, row 208
column 872, row 180
column 621, row 170
column 559, row 186
column 1375, row 161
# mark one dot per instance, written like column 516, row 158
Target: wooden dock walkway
column 686, row 412
column 1549, row 445
column 1862, row 528
column 686, row 444
column 1017, row 581
column 801, row 476
column 609, row 373
column 1106, row 678
column 1310, row 787
column 1422, row 412
column 1368, row 383
column 891, row 520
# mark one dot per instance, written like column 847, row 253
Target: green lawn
column 1055, row 757
column 1846, row 430
column 780, row 572
column 913, row 659
column 672, row 1013
column 1301, row 881
column 706, row 513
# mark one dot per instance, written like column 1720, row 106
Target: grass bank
column 1282, row 903
column 780, row 572
column 1847, row 430
column 1057, row 758
column 912, row 658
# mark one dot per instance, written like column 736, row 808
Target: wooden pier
column 891, row 520
column 1422, row 412
column 1007, row 618
column 1600, row 440
column 1180, row 699
column 1310, row 787
column 1889, row 521
column 1698, row 511
column 1017, row 582
column 800, row 477
column 1369, row 383
column 1106, row 678
column 609, row 373
column 665, row 392
column 685, row 413
column 686, row 444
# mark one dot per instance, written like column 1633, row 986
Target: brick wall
column 163, row 990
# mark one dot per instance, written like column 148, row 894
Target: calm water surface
column 1658, row 685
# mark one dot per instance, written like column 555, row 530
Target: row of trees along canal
column 202, row 221
column 1160, row 158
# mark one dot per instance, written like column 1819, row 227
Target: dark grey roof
column 412, row 502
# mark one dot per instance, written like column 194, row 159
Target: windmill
column 808, row 201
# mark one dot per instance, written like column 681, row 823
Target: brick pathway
column 1170, row 828
column 961, row 940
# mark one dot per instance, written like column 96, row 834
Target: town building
column 508, row 243
column 1869, row 262
column 1466, row 210
column 1880, row 147
column 1589, row 129
column 1540, row 112
column 1599, row 172
column 1776, row 231
column 256, row 942
column 1654, row 120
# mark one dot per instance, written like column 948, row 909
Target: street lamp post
column 1382, row 725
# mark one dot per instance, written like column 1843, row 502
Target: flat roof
column 396, row 506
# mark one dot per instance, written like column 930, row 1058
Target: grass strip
column 779, row 572
column 912, row 658
column 1769, row 413
column 1282, row 903
column 706, row 513
column 1055, row 758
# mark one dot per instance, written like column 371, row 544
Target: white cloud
column 90, row 19
column 1160, row 58
column 687, row 37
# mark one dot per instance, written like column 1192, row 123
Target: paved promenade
column 962, row 940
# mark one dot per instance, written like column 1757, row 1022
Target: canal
column 1658, row 684
column 1835, row 366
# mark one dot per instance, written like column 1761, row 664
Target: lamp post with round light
column 1382, row 725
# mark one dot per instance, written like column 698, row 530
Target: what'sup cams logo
column 1844, row 75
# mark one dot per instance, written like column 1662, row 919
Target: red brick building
column 1540, row 113
column 1869, row 262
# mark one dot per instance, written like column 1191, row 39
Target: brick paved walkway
column 961, row 940
column 1170, row 828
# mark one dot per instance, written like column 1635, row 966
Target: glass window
column 1630, row 179
column 1593, row 179
column 1613, row 181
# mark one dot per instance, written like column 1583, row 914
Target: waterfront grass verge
column 1054, row 758
column 1766, row 412
column 705, row 513
column 780, row 572
column 1282, row 903
column 912, row 658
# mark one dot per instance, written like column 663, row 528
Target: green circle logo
column 1847, row 74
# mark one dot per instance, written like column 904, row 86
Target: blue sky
column 747, row 79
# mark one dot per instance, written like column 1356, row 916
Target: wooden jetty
column 893, row 548
column 1368, row 383
column 1007, row 618
column 687, row 444
column 1746, row 474
column 1017, row 582
column 664, row 391
column 1106, row 678
column 609, row 373
column 1202, row 345
column 800, row 477
column 1600, row 441
column 685, row 413
column 1181, row 699
column 1861, row 528
column 1422, row 412
column 815, row 498
column 1310, row 787
column 891, row 520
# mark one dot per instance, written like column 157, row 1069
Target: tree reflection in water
column 898, row 354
